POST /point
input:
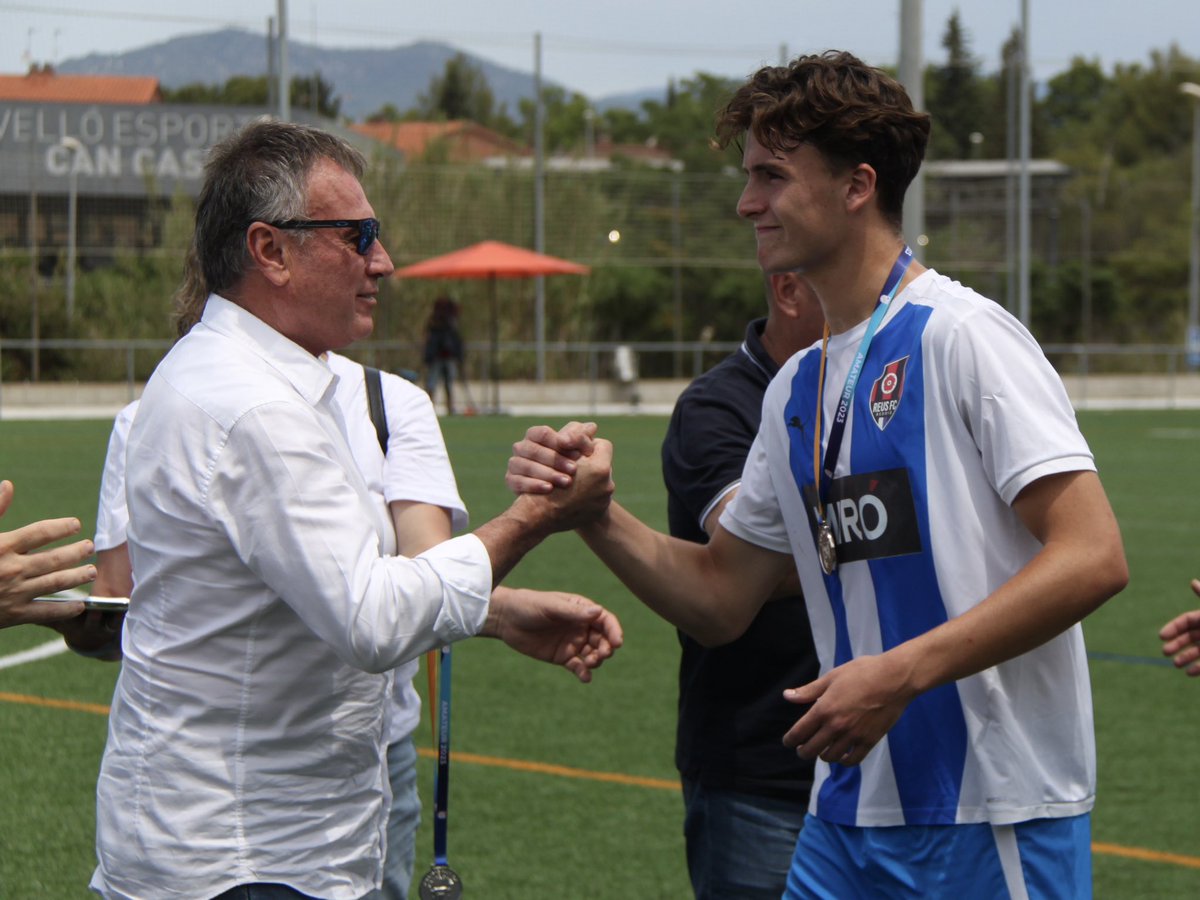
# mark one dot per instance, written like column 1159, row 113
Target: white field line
column 42, row 651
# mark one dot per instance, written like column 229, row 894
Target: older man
column 244, row 756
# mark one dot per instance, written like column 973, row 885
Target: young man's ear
column 860, row 187
column 266, row 248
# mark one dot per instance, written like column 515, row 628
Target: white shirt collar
column 309, row 375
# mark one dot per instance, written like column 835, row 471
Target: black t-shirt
column 732, row 715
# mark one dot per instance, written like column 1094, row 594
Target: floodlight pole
column 285, row 94
column 74, row 147
column 539, row 209
column 1023, row 183
column 1193, row 321
column 912, row 77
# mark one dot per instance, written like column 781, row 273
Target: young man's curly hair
column 851, row 112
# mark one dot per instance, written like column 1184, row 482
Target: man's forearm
column 515, row 532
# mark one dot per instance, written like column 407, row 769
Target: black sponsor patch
column 873, row 516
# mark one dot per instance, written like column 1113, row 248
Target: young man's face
column 333, row 288
column 795, row 203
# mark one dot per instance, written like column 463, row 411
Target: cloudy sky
column 604, row 47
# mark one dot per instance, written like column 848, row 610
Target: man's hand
column 1181, row 637
column 564, row 629
column 853, row 707
column 584, row 499
column 95, row 633
column 25, row 575
column 546, row 458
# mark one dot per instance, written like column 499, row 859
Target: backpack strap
column 375, row 405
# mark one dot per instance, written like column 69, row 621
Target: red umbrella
column 492, row 260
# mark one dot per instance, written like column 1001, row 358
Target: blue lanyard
column 441, row 784
column 838, row 428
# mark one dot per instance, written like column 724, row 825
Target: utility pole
column 285, row 94
column 1193, row 321
column 1023, row 188
column 539, row 206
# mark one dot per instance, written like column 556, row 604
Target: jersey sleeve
column 1013, row 401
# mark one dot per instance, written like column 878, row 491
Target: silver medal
column 441, row 883
column 826, row 548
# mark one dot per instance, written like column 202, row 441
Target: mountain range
column 364, row 78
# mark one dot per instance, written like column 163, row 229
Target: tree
column 310, row 92
column 564, row 120
column 462, row 92
column 684, row 123
column 954, row 96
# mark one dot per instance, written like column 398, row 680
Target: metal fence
column 610, row 375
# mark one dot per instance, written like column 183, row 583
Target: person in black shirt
column 745, row 793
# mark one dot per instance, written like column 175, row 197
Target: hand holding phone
column 103, row 604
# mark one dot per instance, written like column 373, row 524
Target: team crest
column 887, row 391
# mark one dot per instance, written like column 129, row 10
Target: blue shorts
column 1042, row 858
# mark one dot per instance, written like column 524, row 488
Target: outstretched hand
column 546, row 459
column 1181, row 638
column 853, row 707
column 559, row 628
column 25, row 574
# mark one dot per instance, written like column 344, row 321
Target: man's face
column 795, row 203
column 332, row 288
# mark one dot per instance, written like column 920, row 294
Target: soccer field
column 561, row 790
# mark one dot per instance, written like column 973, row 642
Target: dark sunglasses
column 366, row 230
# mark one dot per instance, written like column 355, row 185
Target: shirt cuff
column 466, row 570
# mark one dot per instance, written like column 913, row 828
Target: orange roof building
column 460, row 140
column 43, row 85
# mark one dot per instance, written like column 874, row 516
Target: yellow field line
column 551, row 769
column 98, row 708
column 520, row 765
column 1176, row 859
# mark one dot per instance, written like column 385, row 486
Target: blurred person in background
column 443, row 352
column 744, row 792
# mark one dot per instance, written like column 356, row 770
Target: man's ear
column 268, row 253
column 787, row 288
column 860, row 187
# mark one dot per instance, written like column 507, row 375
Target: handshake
column 567, row 473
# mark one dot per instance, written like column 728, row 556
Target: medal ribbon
column 838, row 428
column 441, row 783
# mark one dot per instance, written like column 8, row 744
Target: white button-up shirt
column 245, row 738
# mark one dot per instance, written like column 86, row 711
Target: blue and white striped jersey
column 956, row 411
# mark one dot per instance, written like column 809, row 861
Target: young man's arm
column 1081, row 564
column 711, row 592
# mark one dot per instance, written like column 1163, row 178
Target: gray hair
column 258, row 174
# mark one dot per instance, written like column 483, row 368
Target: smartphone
column 103, row 604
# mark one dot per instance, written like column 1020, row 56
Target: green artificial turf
column 517, row 833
